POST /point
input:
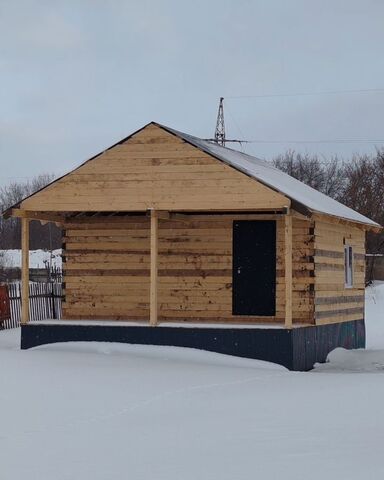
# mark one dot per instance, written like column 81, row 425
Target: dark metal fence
column 44, row 302
column 13, row 274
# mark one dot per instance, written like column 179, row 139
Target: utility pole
column 220, row 126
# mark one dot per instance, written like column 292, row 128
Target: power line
column 10, row 178
column 238, row 128
column 221, row 139
column 299, row 141
column 309, row 141
column 30, row 176
column 308, row 94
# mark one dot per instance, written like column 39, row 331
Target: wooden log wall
column 107, row 269
column 196, row 271
column 333, row 301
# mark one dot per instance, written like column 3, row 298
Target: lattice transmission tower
column 220, row 125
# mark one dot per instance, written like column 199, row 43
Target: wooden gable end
column 154, row 169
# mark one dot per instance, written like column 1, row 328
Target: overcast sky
column 77, row 76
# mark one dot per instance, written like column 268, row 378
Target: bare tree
column 359, row 184
column 322, row 175
column 14, row 192
column 41, row 236
column 364, row 186
column 364, row 192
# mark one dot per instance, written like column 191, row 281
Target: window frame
column 348, row 266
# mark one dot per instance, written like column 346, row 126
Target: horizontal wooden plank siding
column 333, row 301
column 181, row 244
column 155, row 169
column 107, row 269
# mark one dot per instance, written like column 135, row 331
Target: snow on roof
column 298, row 192
column 276, row 179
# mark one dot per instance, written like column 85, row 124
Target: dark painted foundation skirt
column 297, row 348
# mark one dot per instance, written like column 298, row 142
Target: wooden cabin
column 212, row 247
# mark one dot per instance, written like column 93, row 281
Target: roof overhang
column 17, row 210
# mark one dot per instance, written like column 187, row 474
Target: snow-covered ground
column 37, row 258
column 108, row 411
column 374, row 312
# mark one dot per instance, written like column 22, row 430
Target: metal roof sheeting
column 276, row 179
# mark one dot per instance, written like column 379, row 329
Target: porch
column 193, row 267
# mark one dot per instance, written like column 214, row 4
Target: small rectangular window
column 348, row 266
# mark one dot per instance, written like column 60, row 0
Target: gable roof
column 276, row 179
column 302, row 196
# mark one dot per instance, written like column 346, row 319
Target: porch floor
column 130, row 323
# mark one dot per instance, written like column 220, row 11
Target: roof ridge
column 224, row 148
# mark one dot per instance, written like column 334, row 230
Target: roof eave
column 374, row 227
column 8, row 212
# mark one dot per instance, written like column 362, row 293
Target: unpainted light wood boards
column 154, row 170
column 288, row 268
column 333, row 301
column 154, row 233
column 108, row 268
column 24, row 270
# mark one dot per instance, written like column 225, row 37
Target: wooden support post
column 154, row 268
column 24, row 270
column 288, row 269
